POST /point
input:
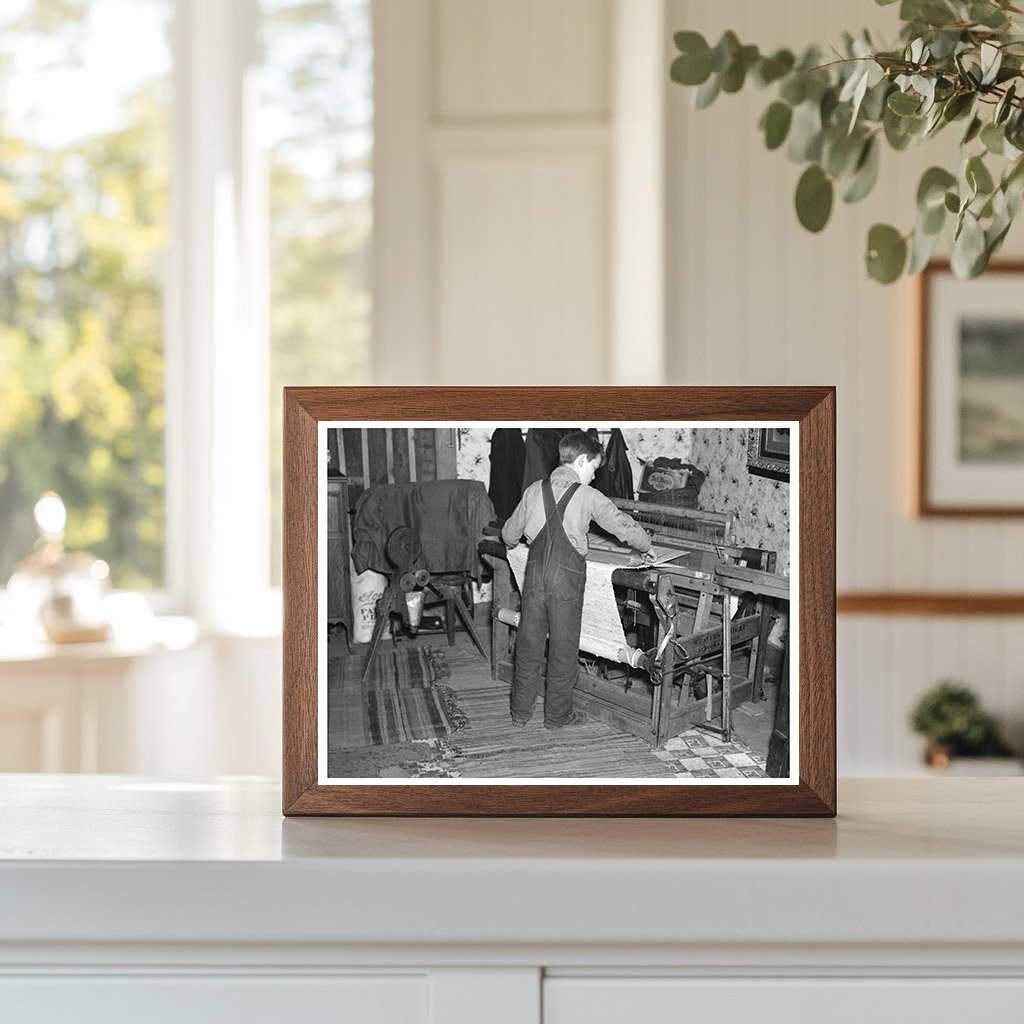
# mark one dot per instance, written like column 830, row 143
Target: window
column 185, row 221
column 317, row 117
column 83, row 238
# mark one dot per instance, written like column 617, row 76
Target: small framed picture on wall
column 970, row 421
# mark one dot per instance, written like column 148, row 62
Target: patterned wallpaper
column 474, row 456
column 759, row 507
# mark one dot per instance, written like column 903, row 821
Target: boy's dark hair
column 573, row 445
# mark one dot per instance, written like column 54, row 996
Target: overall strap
column 563, row 501
column 550, row 513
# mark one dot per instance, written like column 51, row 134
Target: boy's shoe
column 576, row 718
column 519, row 723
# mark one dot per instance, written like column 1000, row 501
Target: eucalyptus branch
column 834, row 116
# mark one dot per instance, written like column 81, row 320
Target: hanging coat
column 508, row 460
column 615, row 477
column 541, row 453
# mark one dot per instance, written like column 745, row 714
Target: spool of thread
column 509, row 617
column 414, row 602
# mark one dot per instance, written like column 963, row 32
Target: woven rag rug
column 403, row 700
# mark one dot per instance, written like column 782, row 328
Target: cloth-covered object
column 448, row 516
column 668, row 481
column 508, row 461
column 614, row 477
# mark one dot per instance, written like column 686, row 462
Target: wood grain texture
column 925, row 603
column 812, row 407
column 299, row 596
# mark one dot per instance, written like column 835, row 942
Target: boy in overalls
column 555, row 516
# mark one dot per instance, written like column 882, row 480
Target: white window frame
column 217, row 348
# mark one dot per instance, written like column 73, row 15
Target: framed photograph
column 970, row 445
column 768, row 452
column 485, row 614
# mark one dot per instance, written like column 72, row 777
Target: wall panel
column 522, row 273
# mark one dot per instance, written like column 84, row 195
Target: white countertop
column 122, row 859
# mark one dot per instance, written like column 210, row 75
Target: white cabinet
column 824, row 1000
column 201, row 999
column 128, row 899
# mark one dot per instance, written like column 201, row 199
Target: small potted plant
column 950, row 718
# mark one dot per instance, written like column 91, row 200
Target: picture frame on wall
column 768, row 452
column 484, row 615
column 969, row 448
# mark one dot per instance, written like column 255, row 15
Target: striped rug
column 402, row 701
column 491, row 747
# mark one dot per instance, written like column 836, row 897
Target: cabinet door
column 624, row 1000
column 205, row 999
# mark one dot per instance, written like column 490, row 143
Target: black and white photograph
column 557, row 601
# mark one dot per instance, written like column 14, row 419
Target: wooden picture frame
column 960, row 471
column 809, row 791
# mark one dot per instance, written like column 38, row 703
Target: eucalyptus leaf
column 931, row 190
column 900, row 130
column 922, row 248
column 873, row 106
column 993, row 138
column 707, row 93
column 771, row 69
column 865, row 173
column 805, row 133
column 735, row 74
column 775, row 123
column 840, row 152
column 932, row 221
column 952, row 202
column 968, row 247
column 991, row 61
column 987, row 15
column 1005, row 104
column 886, row 253
column 794, row 88
column 973, row 129
column 724, row 51
column 904, row 103
column 958, row 105
column 978, row 176
column 814, row 195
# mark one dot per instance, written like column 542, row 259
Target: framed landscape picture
column 559, row 601
column 970, row 446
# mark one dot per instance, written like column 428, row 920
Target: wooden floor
column 491, row 747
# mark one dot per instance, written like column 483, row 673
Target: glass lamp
column 55, row 595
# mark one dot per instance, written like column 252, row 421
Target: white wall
column 754, row 299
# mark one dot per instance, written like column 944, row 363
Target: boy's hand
column 648, row 558
column 652, row 665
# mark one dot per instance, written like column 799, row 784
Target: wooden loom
column 676, row 608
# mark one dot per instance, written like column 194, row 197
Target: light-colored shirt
column 587, row 505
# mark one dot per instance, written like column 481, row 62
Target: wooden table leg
column 726, row 666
